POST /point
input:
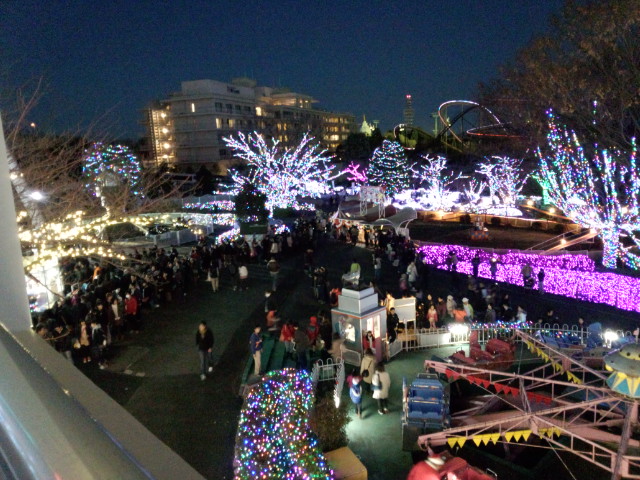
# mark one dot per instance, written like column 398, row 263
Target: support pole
column 629, row 422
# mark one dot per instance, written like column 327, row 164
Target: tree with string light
column 505, row 179
column 112, row 173
column 596, row 188
column 282, row 174
column 437, row 178
column 389, row 168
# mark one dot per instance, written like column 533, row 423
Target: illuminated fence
column 441, row 337
column 572, row 276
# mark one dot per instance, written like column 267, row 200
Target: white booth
column 358, row 313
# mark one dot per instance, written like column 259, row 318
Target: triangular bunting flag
column 542, row 432
column 477, row 440
column 525, row 434
column 451, row 441
column 486, row 438
column 508, row 436
column 546, row 400
column 557, row 431
column 472, row 379
column 499, row 387
column 516, row 435
column 544, row 356
column 461, row 441
column 486, row 383
column 494, row 437
column 448, row 372
column 515, row 391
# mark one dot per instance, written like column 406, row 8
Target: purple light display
column 572, row 276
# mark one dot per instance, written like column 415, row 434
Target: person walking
column 274, row 269
column 541, row 281
column 380, row 384
column 243, row 276
column 355, row 393
column 475, row 264
column 214, row 276
column 367, row 367
column 255, row 345
column 204, row 342
column 302, row 345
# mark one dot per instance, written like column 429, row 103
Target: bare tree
column 587, row 68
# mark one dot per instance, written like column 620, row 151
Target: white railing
column 327, row 371
column 441, row 337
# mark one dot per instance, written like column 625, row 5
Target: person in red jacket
column 286, row 337
column 313, row 330
column 131, row 312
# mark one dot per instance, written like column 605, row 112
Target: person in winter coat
column 302, row 345
column 367, row 367
column 468, row 308
column 131, row 312
column 432, row 316
column 98, row 343
column 204, row 342
column 355, row 392
column 451, row 305
column 380, row 384
column 313, row 330
column 286, row 337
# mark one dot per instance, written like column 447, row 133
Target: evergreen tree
column 390, row 168
column 250, row 205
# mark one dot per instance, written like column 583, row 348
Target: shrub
column 466, row 218
column 328, row 422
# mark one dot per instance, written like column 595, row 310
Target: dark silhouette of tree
column 587, row 68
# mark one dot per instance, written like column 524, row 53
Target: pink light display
column 572, row 276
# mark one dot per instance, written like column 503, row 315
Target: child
column 355, row 392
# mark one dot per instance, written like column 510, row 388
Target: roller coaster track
column 468, row 107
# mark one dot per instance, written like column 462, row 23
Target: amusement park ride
column 562, row 404
column 457, row 121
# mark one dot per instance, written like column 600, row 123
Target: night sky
column 102, row 62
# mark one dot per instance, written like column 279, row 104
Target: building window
column 218, row 106
column 259, row 111
column 193, row 107
column 247, row 109
column 218, row 123
column 238, row 109
column 229, row 108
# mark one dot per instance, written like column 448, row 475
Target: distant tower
column 366, row 127
column 408, row 111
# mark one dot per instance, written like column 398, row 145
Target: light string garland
column 572, row 276
column 104, row 164
column 274, row 440
column 599, row 189
column 505, row 179
column 354, row 174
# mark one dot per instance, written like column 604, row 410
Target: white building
column 188, row 128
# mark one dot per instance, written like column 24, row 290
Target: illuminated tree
column 354, row 174
column 505, row 178
column 282, row 174
column 274, row 440
column 438, row 178
column 472, row 192
column 390, row 168
column 112, row 173
column 65, row 220
column 597, row 188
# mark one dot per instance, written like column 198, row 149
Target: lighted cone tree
column 282, row 174
column 596, row 188
column 274, row 440
column 390, row 168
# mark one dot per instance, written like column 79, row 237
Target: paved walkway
column 198, row 420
